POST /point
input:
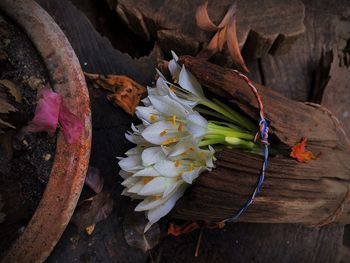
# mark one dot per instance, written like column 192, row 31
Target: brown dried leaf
column 90, row 229
column 232, row 43
column 93, row 210
column 12, row 89
column 94, row 179
column 6, row 107
column 203, row 20
column 134, row 226
column 127, row 93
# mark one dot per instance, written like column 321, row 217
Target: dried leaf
column 46, row 112
column 12, row 89
column 34, row 83
column 232, row 44
column 4, row 124
column 127, row 93
column 187, row 227
column 72, row 126
column 93, row 210
column 6, row 107
column 300, row 153
column 90, row 229
column 94, row 179
column 203, row 20
column 134, row 226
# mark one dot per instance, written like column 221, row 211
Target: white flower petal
column 134, row 151
column 161, row 131
column 174, row 69
column 188, row 177
column 189, row 82
column 158, row 212
column 130, row 181
column 148, row 171
column 168, row 168
column 124, row 174
column 149, row 202
column 171, row 188
column 151, row 155
column 135, row 189
column 148, row 114
column 169, row 107
column 197, row 125
column 182, row 146
column 156, row 186
column 131, row 163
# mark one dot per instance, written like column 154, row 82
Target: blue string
column 264, row 138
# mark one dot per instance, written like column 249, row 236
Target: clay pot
column 71, row 160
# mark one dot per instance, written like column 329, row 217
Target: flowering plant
column 175, row 143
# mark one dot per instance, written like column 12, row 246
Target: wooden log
column 316, row 192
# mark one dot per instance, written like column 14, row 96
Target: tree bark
column 313, row 193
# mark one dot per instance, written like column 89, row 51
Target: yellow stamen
column 190, row 169
column 153, row 117
column 177, row 163
column 184, row 153
column 180, row 174
column 147, row 179
column 172, row 119
column 172, row 88
column 192, row 149
column 156, row 197
column 163, row 133
column 181, row 127
column 169, row 141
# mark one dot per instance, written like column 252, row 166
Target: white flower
column 159, row 175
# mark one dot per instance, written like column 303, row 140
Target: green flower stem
column 212, row 113
column 231, row 133
column 229, row 113
column 212, row 141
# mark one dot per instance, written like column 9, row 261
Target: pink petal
column 94, row 179
column 72, row 126
column 46, row 112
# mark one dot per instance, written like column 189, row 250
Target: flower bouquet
column 187, row 138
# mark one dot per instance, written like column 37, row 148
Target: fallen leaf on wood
column 93, row 210
column 177, row 230
column 300, row 153
column 232, row 43
column 134, row 226
column 94, row 179
column 225, row 32
column 203, row 20
column 12, row 89
column 126, row 92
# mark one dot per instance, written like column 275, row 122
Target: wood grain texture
column 263, row 27
column 264, row 243
column 293, row 192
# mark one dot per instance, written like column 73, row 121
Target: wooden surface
column 262, row 27
column 239, row 242
column 292, row 192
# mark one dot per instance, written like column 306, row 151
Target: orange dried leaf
column 126, row 92
column 203, row 20
column 232, row 43
column 188, row 227
column 300, row 153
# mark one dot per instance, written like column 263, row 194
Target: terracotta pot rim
column 71, row 160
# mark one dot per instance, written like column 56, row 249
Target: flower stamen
column 153, row 118
column 163, row 133
column 177, row 163
column 171, row 140
column 172, row 119
column 190, row 169
column 147, row 179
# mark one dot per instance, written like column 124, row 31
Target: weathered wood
column 262, row 27
column 293, row 192
column 241, row 242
